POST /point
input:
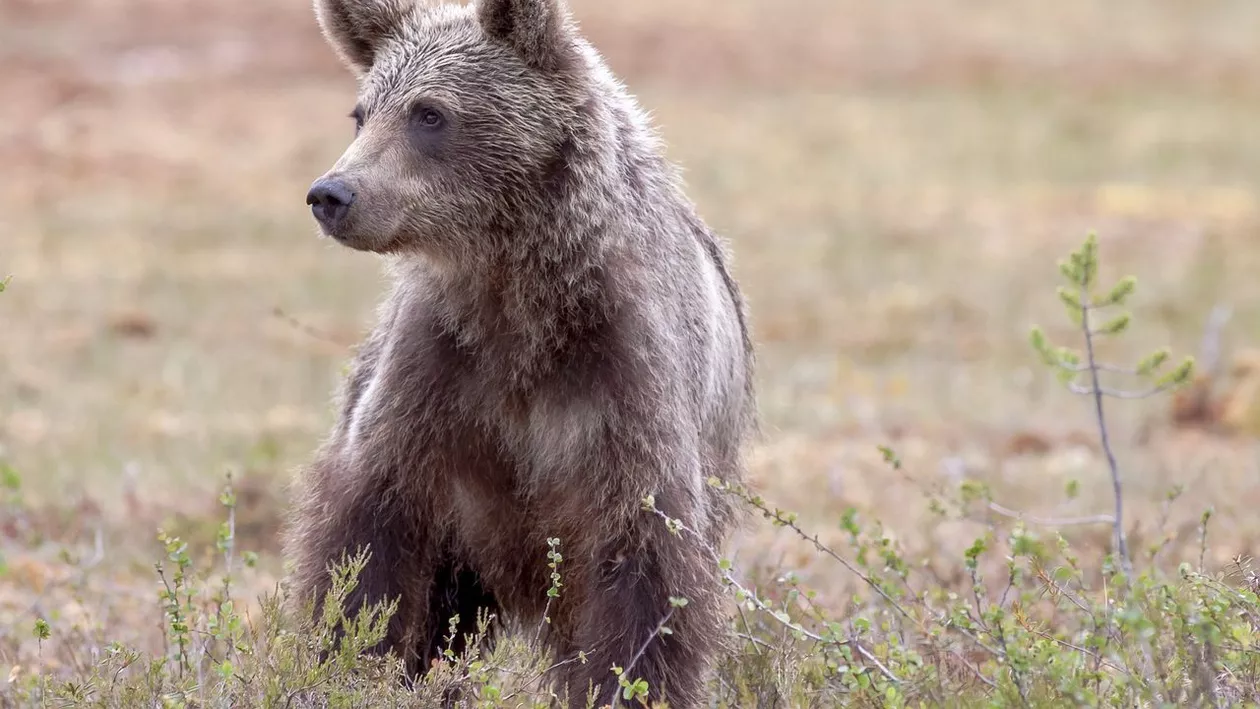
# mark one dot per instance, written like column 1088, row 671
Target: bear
column 562, row 337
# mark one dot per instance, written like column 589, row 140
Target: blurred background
column 897, row 180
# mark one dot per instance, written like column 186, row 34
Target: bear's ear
column 536, row 30
column 357, row 28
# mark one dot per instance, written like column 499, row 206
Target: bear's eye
column 357, row 115
column 428, row 117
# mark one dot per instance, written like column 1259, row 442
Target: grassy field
column 897, row 180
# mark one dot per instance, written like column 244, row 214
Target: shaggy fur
column 562, row 339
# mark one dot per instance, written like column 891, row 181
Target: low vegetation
column 1024, row 619
column 896, row 179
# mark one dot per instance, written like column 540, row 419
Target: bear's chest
column 477, row 421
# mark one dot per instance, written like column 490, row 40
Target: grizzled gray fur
column 562, row 338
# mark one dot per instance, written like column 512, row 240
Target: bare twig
column 536, row 677
column 1165, row 512
column 933, row 490
column 1083, row 368
column 765, row 608
column 743, row 617
column 813, row 539
column 873, row 660
column 1084, row 651
column 1051, row 521
column 974, row 670
column 98, row 549
column 781, row 519
column 1203, row 533
column 755, row 641
column 307, row 329
column 642, row 649
column 1098, row 391
column 1210, row 350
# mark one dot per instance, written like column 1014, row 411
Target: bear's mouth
column 342, row 233
column 337, row 234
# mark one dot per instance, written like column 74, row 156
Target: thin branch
column 974, row 670
column 765, row 608
column 791, row 524
column 1059, row 590
column 871, row 659
column 1122, row 546
column 530, row 680
column 655, row 632
column 1098, row 391
column 642, row 649
column 1083, row 368
column 743, row 617
column 1210, row 350
column 1203, row 533
column 1084, row 651
column 1165, row 512
column 310, row 330
column 755, row 641
column 1051, row 521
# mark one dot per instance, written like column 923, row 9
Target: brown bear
column 562, row 339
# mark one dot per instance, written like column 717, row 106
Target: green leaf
column 637, row 688
column 1152, row 362
column 1067, row 357
column 1042, row 347
column 973, row 490
column 1120, row 292
column 1071, row 298
column 1024, row 543
column 9, row 478
column 1178, row 376
column 1037, row 339
column 890, row 457
column 1089, row 260
column 1071, row 269
column 848, row 521
column 974, row 551
column 1116, row 325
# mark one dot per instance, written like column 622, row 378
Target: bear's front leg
column 621, row 604
column 338, row 514
column 624, row 566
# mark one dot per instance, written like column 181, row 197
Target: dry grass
column 897, row 180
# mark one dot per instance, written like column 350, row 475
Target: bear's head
column 464, row 120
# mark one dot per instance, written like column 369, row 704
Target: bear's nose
column 330, row 200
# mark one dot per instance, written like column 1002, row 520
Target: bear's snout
column 330, row 200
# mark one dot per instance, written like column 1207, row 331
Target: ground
column 897, row 180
